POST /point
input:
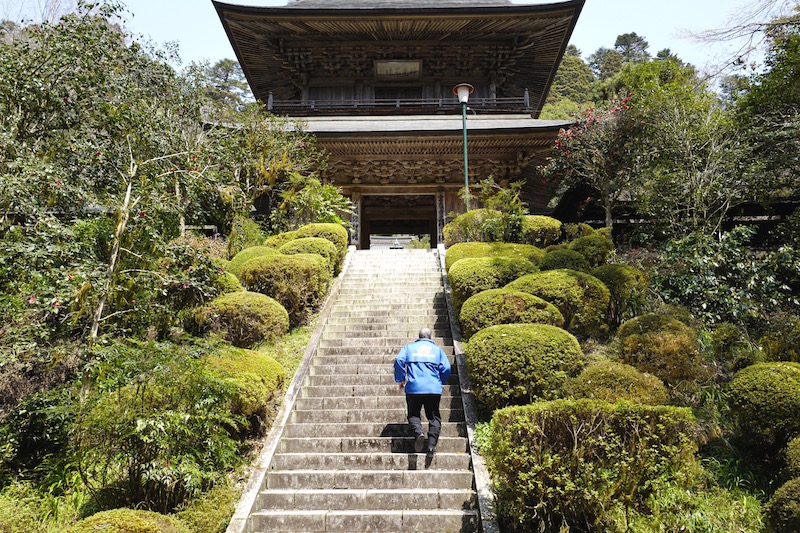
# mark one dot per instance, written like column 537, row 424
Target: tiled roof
column 394, row 4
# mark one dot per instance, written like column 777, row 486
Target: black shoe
column 419, row 441
column 431, row 451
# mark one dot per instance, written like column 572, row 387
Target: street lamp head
column 463, row 90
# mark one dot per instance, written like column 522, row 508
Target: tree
column 225, row 85
column 632, row 48
column 606, row 62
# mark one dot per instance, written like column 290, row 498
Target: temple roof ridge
column 394, row 4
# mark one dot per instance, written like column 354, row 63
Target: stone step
column 356, row 351
column 396, row 321
column 368, row 403
column 406, row 309
column 364, row 358
column 366, row 429
column 386, row 379
column 393, row 341
column 377, row 330
column 415, row 314
column 369, row 479
column 371, row 461
column 357, row 368
column 304, row 416
column 338, row 391
column 362, row 444
column 367, row 499
column 354, row 521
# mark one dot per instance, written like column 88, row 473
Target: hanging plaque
column 398, row 70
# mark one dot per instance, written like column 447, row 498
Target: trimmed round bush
column 254, row 377
column 660, row 345
column 627, row 287
column 237, row 262
column 560, row 259
column 335, row 233
column 276, row 241
column 573, row 231
column 540, row 230
column 244, row 318
column 506, row 306
column 783, row 509
column 765, row 401
column 793, row 457
column 299, row 282
column 582, row 299
column 312, row 245
column 575, row 462
column 128, row 521
column 463, row 250
column 612, row 382
column 518, row 363
column 595, row 248
column 228, row 282
column 472, row 275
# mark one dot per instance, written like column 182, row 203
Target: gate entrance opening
column 398, row 215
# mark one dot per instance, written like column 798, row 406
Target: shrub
column 211, row 511
column 660, row 345
column 276, row 241
column 782, row 341
column 253, row 377
column 24, row 509
column 582, row 299
column 783, row 509
column 243, row 318
column 765, row 401
column 613, row 382
column 564, row 259
column 335, row 233
column 237, row 262
column 228, row 282
column 595, row 248
column 571, row 463
column 312, row 245
column 575, row 231
column 506, row 306
column 793, row 457
column 298, row 282
column 730, row 347
column 517, row 363
column 482, row 225
column 463, row 250
column 245, row 232
column 475, row 274
column 627, row 287
column 540, row 230
column 128, row 521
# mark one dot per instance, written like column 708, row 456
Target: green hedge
column 128, row 521
column 506, row 306
column 612, row 382
column 560, row 259
column 243, row 318
column 312, row 245
column 299, row 282
column 582, row 299
column 660, row 345
column 228, row 282
column 595, row 248
column 482, row 225
column 255, row 379
column 335, row 233
column 276, row 241
column 627, row 287
column 783, row 509
column 517, row 363
column 765, row 401
column 472, row 275
column 793, row 457
column 540, row 230
column 463, row 250
column 571, row 463
column 237, row 262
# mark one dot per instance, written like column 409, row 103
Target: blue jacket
column 423, row 366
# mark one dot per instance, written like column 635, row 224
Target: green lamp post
column 462, row 91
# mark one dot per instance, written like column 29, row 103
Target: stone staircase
column 345, row 461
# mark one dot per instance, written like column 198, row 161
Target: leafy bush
column 128, row 521
column 245, row 233
column 540, row 230
column 228, row 282
column 613, row 382
column 569, row 464
column 627, row 287
column 504, row 306
column 517, row 363
column 595, row 248
column 783, row 509
column 276, row 241
column 582, row 299
column 298, row 282
column 211, row 511
column 731, row 349
column 793, row 457
column 243, row 318
column 561, row 259
column 463, row 250
column 482, row 225
column 23, row 509
column 472, row 275
column 660, row 345
column 574, row 231
column 765, row 401
column 312, row 245
column 237, row 262
column 782, row 340
column 335, row 233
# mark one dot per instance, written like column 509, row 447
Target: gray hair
column 425, row 333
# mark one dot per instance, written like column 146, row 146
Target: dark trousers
column 415, row 402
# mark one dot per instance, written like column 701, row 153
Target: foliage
column 514, row 364
column 245, row 233
column 783, row 510
column 312, row 245
column 23, row 509
column 471, row 275
column 571, row 463
column 279, row 239
column 540, row 230
column 632, row 47
column 612, row 382
column 228, row 282
column 504, row 306
column 582, row 299
column 793, row 457
column 627, row 287
column 781, row 342
column 730, row 348
column 237, row 261
column 308, row 200
column 335, row 233
column 128, row 521
column 573, row 86
column 242, row 318
column 765, row 401
column 462, row 250
column 595, row 248
column 605, row 63
column 564, row 258
column 298, row 282
column 211, row 511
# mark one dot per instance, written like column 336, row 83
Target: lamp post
column 462, row 91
